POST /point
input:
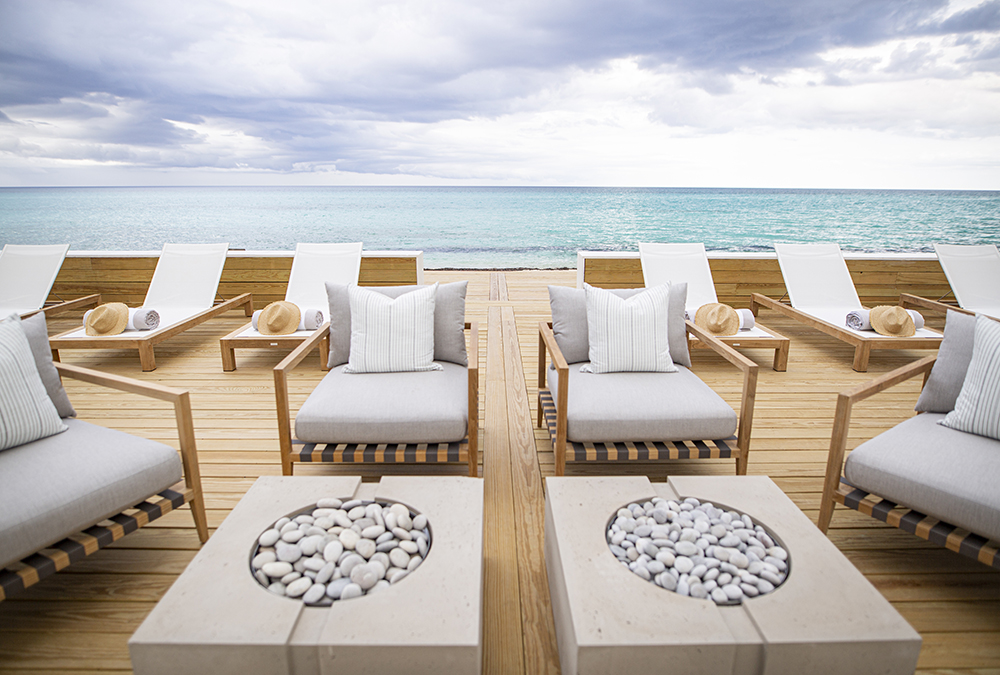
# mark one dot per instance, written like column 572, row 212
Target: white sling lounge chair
column 822, row 293
column 182, row 291
column 664, row 263
column 27, row 273
column 974, row 275
column 312, row 266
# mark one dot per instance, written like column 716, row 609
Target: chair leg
column 781, row 356
column 228, row 356
column 861, row 354
column 146, row 357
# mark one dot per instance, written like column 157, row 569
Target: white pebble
column 349, row 538
column 351, row 591
column 276, row 570
column 298, row 587
column 269, row 538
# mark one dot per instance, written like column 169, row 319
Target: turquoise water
column 496, row 227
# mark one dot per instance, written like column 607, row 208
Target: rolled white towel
column 143, row 318
column 311, row 319
column 747, row 320
column 918, row 318
column 138, row 319
column 858, row 320
column 256, row 315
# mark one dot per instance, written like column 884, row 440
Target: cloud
column 387, row 87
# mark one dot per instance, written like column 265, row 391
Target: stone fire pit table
column 825, row 618
column 218, row 619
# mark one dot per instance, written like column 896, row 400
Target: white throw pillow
column 26, row 411
column 391, row 335
column 977, row 410
column 628, row 334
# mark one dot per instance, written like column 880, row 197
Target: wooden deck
column 80, row 620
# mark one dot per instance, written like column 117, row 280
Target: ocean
column 496, row 227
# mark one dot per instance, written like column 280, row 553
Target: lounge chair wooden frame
column 67, row 306
column 236, row 339
column 863, row 344
column 554, row 415
column 50, row 560
column 145, row 341
column 466, row 450
column 836, row 489
column 773, row 340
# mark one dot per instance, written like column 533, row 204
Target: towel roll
column 310, row 319
column 918, row 318
column 143, row 318
column 138, row 319
column 747, row 320
column 858, row 320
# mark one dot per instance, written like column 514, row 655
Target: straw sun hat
column 717, row 319
column 892, row 320
column 279, row 318
column 107, row 319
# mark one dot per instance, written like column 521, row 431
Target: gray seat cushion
column 415, row 407
column 643, row 407
column 941, row 472
column 62, row 484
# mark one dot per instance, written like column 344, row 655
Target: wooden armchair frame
column 836, row 490
column 50, row 560
column 554, row 413
column 392, row 453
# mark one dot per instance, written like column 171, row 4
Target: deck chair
column 663, row 263
column 636, row 416
column 27, row 273
column 312, row 266
column 974, row 275
column 381, row 418
column 935, row 482
column 182, row 291
column 822, row 293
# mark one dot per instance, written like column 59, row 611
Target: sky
column 669, row 93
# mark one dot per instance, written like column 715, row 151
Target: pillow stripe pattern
column 26, row 412
column 977, row 410
column 629, row 335
column 392, row 335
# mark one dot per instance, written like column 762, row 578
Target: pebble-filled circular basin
column 340, row 549
column 697, row 549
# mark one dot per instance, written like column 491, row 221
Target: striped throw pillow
column 628, row 334
column 26, row 411
column 977, row 410
column 392, row 335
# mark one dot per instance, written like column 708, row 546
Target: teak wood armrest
column 547, row 340
column 181, row 401
column 281, row 371
column 749, row 396
column 842, row 422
